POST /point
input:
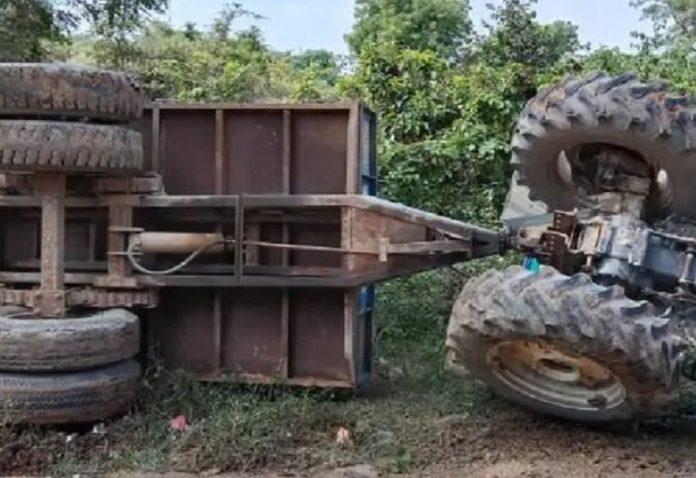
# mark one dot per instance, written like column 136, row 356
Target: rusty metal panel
column 20, row 239
column 184, row 331
column 315, row 235
column 299, row 336
column 79, row 240
column 252, row 147
column 251, row 331
column 187, row 148
column 316, row 140
column 246, row 339
column 317, row 335
column 319, row 153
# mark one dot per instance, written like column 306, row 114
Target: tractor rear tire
column 608, row 110
column 69, row 147
column 31, row 90
column 29, row 344
column 68, row 398
column 564, row 346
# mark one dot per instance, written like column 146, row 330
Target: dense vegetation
column 420, row 64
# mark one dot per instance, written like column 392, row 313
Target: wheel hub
column 542, row 372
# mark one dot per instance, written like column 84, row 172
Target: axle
column 615, row 248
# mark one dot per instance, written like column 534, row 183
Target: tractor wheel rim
column 542, row 372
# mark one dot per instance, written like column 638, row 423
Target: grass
column 394, row 423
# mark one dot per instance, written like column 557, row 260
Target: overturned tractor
column 602, row 203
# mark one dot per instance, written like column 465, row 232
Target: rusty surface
column 119, row 271
column 83, row 297
column 135, row 185
column 260, row 334
column 282, row 182
column 51, row 296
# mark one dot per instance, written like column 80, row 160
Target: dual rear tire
column 66, row 118
column 74, row 370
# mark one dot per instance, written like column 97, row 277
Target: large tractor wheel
column 567, row 127
column 564, row 346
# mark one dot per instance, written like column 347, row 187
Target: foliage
column 674, row 21
column 442, row 26
column 27, row 26
column 515, row 36
column 445, row 125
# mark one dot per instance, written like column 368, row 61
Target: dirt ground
column 513, row 443
column 517, row 445
column 491, row 439
column 495, row 440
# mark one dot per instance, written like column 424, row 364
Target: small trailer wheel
column 54, row 90
column 74, row 397
column 31, row 146
column 31, row 344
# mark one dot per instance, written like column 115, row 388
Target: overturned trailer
column 245, row 237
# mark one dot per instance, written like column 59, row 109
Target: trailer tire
column 30, row 344
column 59, row 90
column 607, row 110
column 62, row 398
column 565, row 346
column 69, row 147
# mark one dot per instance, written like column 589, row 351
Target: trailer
column 247, row 239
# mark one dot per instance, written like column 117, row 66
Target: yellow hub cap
column 540, row 371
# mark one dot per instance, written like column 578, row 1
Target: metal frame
column 369, row 254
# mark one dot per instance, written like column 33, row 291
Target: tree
column 515, row 36
column 444, row 122
column 439, row 25
column 224, row 63
column 323, row 63
column 674, row 21
column 28, row 26
column 115, row 23
column 25, row 25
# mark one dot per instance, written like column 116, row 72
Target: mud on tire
column 35, row 89
column 76, row 397
column 69, row 147
column 600, row 356
column 31, row 344
column 607, row 110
